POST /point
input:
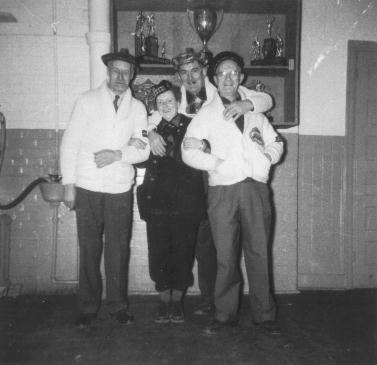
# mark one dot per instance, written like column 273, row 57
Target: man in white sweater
column 106, row 135
column 197, row 92
column 242, row 150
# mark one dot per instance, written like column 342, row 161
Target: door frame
column 352, row 53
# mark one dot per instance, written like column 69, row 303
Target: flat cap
column 122, row 55
column 189, row 56
column 224, row 56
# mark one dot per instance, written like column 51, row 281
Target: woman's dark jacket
column 170, row 186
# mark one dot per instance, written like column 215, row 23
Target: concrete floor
column 317, row 328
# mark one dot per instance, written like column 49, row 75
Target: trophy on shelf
column 256, row 50
column 146, row 40
column 271, row 52
column 269, row 44
column 205, row 21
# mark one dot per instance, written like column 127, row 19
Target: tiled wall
column 43, row 252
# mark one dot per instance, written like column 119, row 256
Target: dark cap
column 189, row 56
column 122, row 55
column 225, row 56
column 160, row 88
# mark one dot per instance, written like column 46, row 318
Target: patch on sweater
column 256, row 136
column 144, row 133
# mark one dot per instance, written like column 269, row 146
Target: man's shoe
column 163, row 315
column 85, row 320
column 176, row 315
column 268, row 327
column 204, row 309
column 123, row 316
column 217, row 326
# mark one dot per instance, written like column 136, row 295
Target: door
column 361, row 162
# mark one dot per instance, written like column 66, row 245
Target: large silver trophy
column 205, row 21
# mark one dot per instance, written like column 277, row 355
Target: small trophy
column 279, row 46
column 146, row 41
column 269, row 44
column 151, row 41
column 163, row 49
column 256, row 50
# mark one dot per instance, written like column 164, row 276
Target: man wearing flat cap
column 243, row 148
column 105, row 136
column 198, row 91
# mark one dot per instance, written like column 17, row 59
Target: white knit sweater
column 95, row 126
column 243, row 153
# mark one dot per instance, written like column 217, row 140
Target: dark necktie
column 240, row 121
column 115, row 102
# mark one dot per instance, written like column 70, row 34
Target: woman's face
column 167, row 105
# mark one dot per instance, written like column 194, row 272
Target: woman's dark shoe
column 85, row 320
column 123, row 316
column 176, row 315
column 163, row 315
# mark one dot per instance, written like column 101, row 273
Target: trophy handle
column 221, row 14
column 190, row 12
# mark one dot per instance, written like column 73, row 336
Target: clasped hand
column 106, row 157
column 237, row 108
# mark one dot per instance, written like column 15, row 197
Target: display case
column 245, row 24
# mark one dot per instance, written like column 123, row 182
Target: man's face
column 192, row 75
column 120, row 74
column 167, row 105
column 228, row 77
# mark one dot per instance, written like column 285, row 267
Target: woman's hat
column 160, row 88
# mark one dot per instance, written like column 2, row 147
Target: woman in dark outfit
column 171, row 201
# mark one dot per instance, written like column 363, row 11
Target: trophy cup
column 205, row 22
column 269, row 44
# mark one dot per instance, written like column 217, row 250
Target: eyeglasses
column 116, row 72
column 194, row 72
column 233, row 74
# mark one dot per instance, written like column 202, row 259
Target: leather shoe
column 268, row 327
column 204, row 309
column 216, row 326
column 123, row 316
column 85, row 320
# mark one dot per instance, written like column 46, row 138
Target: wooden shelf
column 281, row 80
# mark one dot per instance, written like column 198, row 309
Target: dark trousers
column 206, row 255
column 206, row 258
column 98, row 215
column 171, row 244
column 241, row 214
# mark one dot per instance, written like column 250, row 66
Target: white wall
column 34, row 61
column 327, row 25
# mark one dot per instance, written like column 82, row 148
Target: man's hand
column 69, row 195
column 237, row 108
column 106, row 157
column 157, row 144
column 137, row 143
column 193, row 143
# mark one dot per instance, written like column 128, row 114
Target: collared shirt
column 113, row 94
column 240, row 121
column 195, row 102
